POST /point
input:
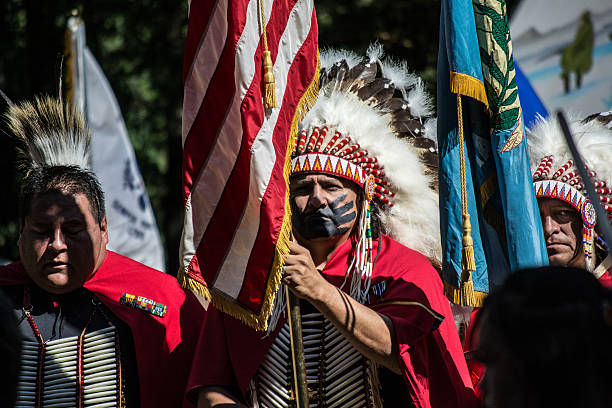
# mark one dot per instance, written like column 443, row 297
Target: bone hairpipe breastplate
column 337, row 374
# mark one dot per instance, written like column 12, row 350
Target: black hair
column 63, row 179
column 554, row 325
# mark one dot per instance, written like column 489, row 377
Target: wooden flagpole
column 297, row 349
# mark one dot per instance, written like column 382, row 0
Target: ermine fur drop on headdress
column 50, row 132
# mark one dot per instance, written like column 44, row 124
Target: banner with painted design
column 132, row 229
column 565, row 50
column 476, row 75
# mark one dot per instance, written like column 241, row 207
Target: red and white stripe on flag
column 236, row 154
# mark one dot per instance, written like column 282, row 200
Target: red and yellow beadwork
column 342, row 159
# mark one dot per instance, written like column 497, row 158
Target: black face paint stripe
column 343, row 219
column 323, row 222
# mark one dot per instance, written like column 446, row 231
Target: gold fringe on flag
column 462, row 84
column 281, row 250
column 456, row 295
column 187, row 281
column 268, row 67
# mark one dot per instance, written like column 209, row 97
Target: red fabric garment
column 476, row 368
column 164, row 345
column 606, row 279
column 431, row 356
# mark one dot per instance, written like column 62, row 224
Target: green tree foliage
column 139, row 45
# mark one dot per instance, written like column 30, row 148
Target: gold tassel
column 268, row 78
column 459, row 296
column 268, row 66
column 466, row 292
column 468, row 263
column 467, row 251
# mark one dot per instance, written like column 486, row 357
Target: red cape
column 431, row 356
column 164, row 345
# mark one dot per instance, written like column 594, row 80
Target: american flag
column 236, row 153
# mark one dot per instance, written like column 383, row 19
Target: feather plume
column 593, row 140
column 330, row 56
column 431, row 126
column 50, row 133
column 377, row 92
column 605, row 118
column 397, row 72
column 419, row 101
column 6, row 98
column 400, row 76
column 375, row 51
column 385, row 109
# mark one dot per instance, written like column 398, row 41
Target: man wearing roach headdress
column 98, row 329
column 568, row 217
column 373, row 311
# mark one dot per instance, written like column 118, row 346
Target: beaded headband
column 342, row 159
column 555, row 175
column 565, row 185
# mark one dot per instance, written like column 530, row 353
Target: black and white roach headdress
column 372, row 125
column 50, row 133
column 554, row 174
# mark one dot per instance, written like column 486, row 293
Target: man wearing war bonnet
column 568, row 216
column 362, row 193
column 98, row 329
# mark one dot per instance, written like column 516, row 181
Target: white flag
column 132, row 228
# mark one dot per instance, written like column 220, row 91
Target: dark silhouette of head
column 545, row 337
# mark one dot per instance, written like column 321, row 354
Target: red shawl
column 164, row 345
column 431, row 356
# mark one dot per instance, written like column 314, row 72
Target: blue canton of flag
column 476, row 74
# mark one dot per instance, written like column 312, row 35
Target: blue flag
column 476, row 75
column 530, row 102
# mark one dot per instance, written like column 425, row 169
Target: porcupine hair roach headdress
column 53, row 147
column 554, row 174
column 370, row 125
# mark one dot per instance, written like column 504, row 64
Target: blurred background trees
column 139, row 45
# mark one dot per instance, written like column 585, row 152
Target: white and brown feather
column 50, row 133
column 390, row 118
